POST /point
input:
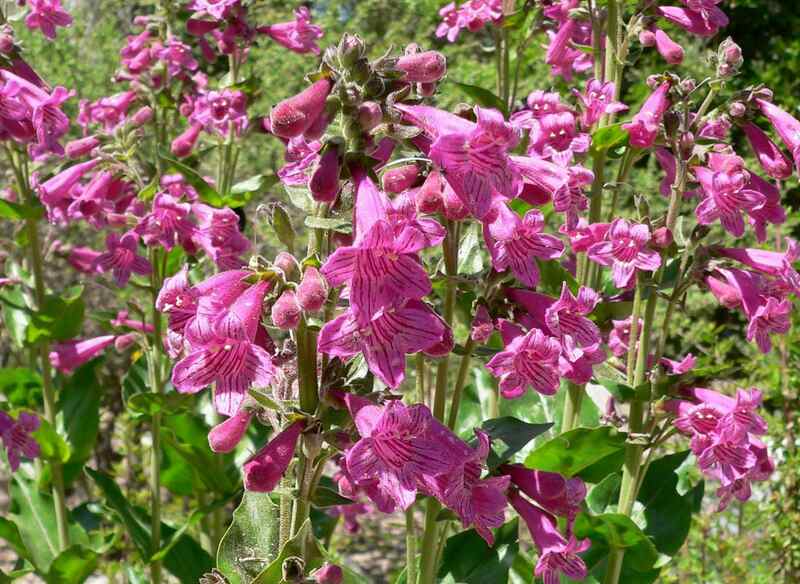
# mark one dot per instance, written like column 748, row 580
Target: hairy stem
column 461, row 379
column 411, row 547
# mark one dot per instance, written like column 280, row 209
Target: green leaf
column 553, row 275
column 578, row 450
column 10, row 533
column 34, row 515
column 51, row 445
column 79, row 404
column 17, row 212
column 282, row 225
column 481, row 96
column 468, row 560
column 21, row 387
column 611, row 531
column 264, row 400
column 59, row 319
column 166, row 403
column 514, row 433
column 604, row 493
column 304, row 545
column 16, row 314
column 208, row 466
column 251, row 541
column 338, row 224
column 207, row 193
column 470, row 257
column 242, row 192
column 72, row 566
column 668, row 513
column 325, row 497
column 300, row 197
column 135, row 380
column 609, row 137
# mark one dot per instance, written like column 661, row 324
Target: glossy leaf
column 609, row 137
column 251, row 541
column 79, row 404
column 514, row 433
column 72, row 566
column 481, row 96
column 578, row 450
column 468, row 559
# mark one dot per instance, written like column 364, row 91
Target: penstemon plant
column 413, row 255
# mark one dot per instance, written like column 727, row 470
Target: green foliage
column 467, row 559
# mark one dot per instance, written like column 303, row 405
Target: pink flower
column 329, row 574
column 551, row 491
column 17, row 439
column 69, row 355
column 679, row 367
column 625, row 250
column 122, row 259
column 704, row 22
column 219, row 112
column 293, row 116
column 724, row 185
column 482, row 325
column 122, row 320
column 59, row 187
column 450, row 26
column 167, row 223
column 312, row 291
column 424, row 67
column 566, row 319
column 324, row 182
column 178, row 57
column 298, row 35
column 771, row 263
column 620, row 336
column 224, row 350
column 773, row 317
column 46, row 15
column 83, row 259
column 225, row 436
column 384, row 339
column 264, row 470
column 217, row 233
column 82, row 146
column 517, row 243
column 771, row 158
column 667, row 48
column 644, row 127
column 596, row 101
column 184, row 143
column 217, row 9
column 529, row 360
column 787, row 127
column 557, row 554
column 398, row 449
column 556, row 137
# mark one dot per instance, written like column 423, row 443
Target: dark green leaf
column 481, row 96
column 468, row 560
column 514, row 433
column 167, row 403
column 72, row 566
column 16, row 314
column 17, row 212
column 51, row 445
column 10, row 534
column 577, row 450
column 609, row 137
column 304, row 545
column 553, row 275
column 616, row 531
column 21, row 387
column 79, row 404
column 251, row 541
column 325, row 497
column 604, row 493
column 60, row 319
column 207, row 193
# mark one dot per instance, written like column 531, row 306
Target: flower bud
column 688, row 85
column 295, row 115
column 426, row 67
column 6, row 40
column 317, row 129
column 482, row 325
column 324, row 183
column 350, row 50
column 369, row 115
column 429, row 195
column 263, row 472
column 662, row 238
column 398, row 179
column 286, row 262
column 81, row 146
column 647, row 38
column 142, row 116
column 329, row 574
column 225, row 436
column 667, row 48
column 426, row 89
column 737, row 109
column 122, row 342
column 730, row 52
column 286, row 312
column 454, row 207
column 686, row 145
column 183, row 145
column 312, row 291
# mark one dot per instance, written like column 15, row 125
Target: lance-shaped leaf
column 251, row 541
column 302, row 545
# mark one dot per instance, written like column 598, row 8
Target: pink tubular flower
column 329, row 574
column 620, row 336
column 225, row 436
column 299, row 35
column 557, row 554
column 286, row 312
column 482, row 325
column 644, row 127
column 516, row 243
column 770, row 157
column 59, row 187
column 224, row 350
column 217, row 9
column 625, row 250
column 264, row 470
column 596, row 101
column 219, row 112
column 167, row 223
column 787, row 127
column 122, row 320
column 725, row 186
column 669, row 49
column 529, row 360
column 217, row 233
column 82, row 146
column 385, row 339
column 17, row 439
column 550, row 490
column 566, row 319
column 425, row 67
column 312, row 291
column 178, row 57
column 295, row 115
column 184, row 143
column 122, row 259
column 69, row 355
column 772, row 263
column 83, row 259
column 397, row 450
column 46, row 15
column 324, row 182
column 772, row 317
column 702, row 19
column 679, row 367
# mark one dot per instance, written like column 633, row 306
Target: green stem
column 43, row 350
column 430, row 537
column 411, row 547
column 461, row 379
column 572, row 407
column 420, row 381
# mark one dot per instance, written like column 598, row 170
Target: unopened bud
column 142, row 116
column 286, row 263
column 369, row 115
column 324, row 183
column 400, row 178
column 350, row 50
column 426, row 67
column 225, row 436
column 81, row 146
column 688, row 85
column 647, row 38
column 662, row 238
column 426, row 89
column 293, row 116
column 329, row 574
column 686, row 144
column 429, row 195
column 312, row 291
column 6, row 40
column 737, row 109
column 183, row 145
column 286, row 312
column 667, row 48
